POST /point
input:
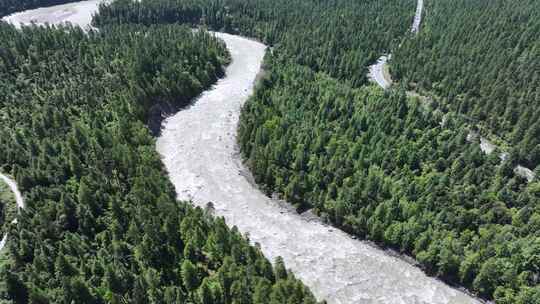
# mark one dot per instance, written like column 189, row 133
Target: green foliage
column 339, row 37
column 379, row 165
column 102, row 224
column 382, row 166
column 482, row 58
column 8, row 207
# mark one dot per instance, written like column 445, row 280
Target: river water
column 198, row 148
column 77, row 13
column 377, row 73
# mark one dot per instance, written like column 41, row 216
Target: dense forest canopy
column 482, row 58
column 383, row 167
column 8, row 207
column 102, row 224
column 339, row 37
column 379, row 165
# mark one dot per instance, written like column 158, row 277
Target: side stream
column 198, row 147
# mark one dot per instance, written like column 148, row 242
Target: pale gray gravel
column 77, row 13
column 198, row 147
column 376, row 73
column 417, row 16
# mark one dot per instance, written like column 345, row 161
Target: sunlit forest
column 378, row 165
column 482, row 59
column 388, row 166
column 339, row 37
column 102, row 223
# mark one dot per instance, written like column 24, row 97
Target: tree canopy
column 339, row 37
column 382, row 165
column 481, row 58
column 8, row 207
column 387, row 168
column 390, row 168
column 102, row 223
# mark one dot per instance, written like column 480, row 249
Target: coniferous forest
column 8, row 208
column 338, row 37
column 102, row 224
column 381, row 165
column 386, row 168
column 482, row 59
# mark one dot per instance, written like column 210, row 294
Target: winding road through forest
column 198, row 146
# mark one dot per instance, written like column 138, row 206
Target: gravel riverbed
column 198, row 147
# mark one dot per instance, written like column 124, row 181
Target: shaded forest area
column 378, row 165
column 482, row 58
column 383, row 167
column 339, row 37
column 102, row 224
column 8, row 207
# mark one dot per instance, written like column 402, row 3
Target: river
column 198, row 148
column 18, row 200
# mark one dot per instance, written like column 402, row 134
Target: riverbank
column 76, row 13
column 8, row 207
column 198, row 148
column 379, row 73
